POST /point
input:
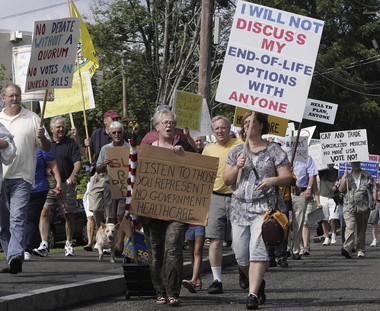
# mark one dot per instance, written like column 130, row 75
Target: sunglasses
column 116, row 132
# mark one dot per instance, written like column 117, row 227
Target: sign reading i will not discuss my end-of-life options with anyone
column 344, row 146
column 52, row 59
column 269, row 61
column 320, row 111
column 169, row 186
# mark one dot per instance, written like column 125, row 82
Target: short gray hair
column 116, row 125
column 214, row 119
column 10, row 85
column 58, row 118
column 160, row 113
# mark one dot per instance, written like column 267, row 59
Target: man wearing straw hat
column 24, row 125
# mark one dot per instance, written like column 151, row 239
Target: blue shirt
column 43, row 159
column 303, row 170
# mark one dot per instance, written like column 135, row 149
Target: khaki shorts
column 67, row 201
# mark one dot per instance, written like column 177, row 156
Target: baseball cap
column 111, row 113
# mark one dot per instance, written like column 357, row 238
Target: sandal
column 161, row 301
column 173, row 301
column 189, row 286
column 198, row 286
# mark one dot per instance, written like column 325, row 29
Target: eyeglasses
column 220, row 128
column 14, row 95
column 116, row 132
column 166, row 122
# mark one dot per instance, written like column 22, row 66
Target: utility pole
column 124, row 88
column 204, row 81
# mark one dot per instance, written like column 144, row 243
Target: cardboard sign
column 320, row 111
column 302, row 148
column 54, row 49
column 277, row 126
column 118, row 171
column 169, row 186
column 371, row 166
column 188, row 110
column 269, row 61
column 344, row 146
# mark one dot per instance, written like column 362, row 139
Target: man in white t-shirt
column 24, row 125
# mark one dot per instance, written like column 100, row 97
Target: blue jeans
column 13, row 207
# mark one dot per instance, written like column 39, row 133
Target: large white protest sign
column 269, row 61
column 307, row 131
column 54, row 49
column 20, row 62
column 344, row 146
column 301, row 150
column 320, row 111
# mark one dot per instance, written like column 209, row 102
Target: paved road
column 322, row 281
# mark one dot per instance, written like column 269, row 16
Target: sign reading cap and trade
column 371, row 166
column 320, row 111
column 173, row 187
column 344, row 146
column 118, row 171
column 269, row 61
column 188, row 108
column 277, row 126
column 52, row 60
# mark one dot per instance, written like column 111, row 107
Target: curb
column 80, row 292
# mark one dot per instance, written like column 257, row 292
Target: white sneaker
column 69, row 251
column 326, row 242
column 42, row 250
column 374, row 243
column 361, row 254
column 27, row 256
column 333, row 238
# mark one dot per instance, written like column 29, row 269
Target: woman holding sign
column 263, row 166
column 165, row 238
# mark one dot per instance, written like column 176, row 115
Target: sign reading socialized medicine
column 344, row 146
column 169, row 186
column 320, row 111
column 54, row 49
column 269, row 61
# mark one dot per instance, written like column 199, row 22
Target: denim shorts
column 194, row 231
column 247, row 242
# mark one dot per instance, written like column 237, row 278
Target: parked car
column 57, row 225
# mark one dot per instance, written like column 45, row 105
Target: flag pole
column 69, row 2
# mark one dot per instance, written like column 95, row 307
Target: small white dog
column 106, row 237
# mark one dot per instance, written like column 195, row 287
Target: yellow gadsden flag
column 88, row 50
column 70, row 100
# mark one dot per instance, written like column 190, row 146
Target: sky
column 24, row 21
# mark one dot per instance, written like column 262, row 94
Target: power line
column 33, row 11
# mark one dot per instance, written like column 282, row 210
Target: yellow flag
column 88, row 50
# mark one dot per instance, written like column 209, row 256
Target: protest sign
column 320, row 111
column 302, row 148
column 52, row 60
column 169, row 186
column 344, row 146
column 205, row 123
column 20, row 62
column 307, row 131
column 188, row 110
column 70, row 100
column 371, row 166
column 315, row 152
column 118, row 171
column 269, row 61
column 277, row 126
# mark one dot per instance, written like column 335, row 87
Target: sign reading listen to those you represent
column 269, row 61
column 52, row 59
column 169, row 186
